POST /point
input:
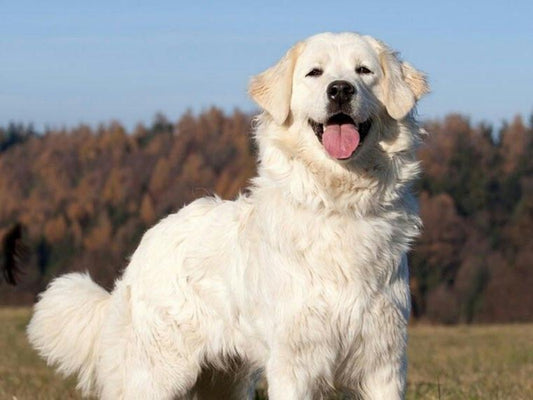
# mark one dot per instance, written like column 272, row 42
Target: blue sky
column 66, row 62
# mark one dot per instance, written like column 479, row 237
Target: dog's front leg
column 301, row 362
column 384, row 353
column 289, row 379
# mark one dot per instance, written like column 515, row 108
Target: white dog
column 304, row 278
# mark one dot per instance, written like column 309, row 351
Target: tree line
column 84, row 196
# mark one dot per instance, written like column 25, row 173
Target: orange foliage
column 85, row 196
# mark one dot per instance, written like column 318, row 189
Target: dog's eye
column 362, row 70
column 315, row 72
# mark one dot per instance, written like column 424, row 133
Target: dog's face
column 342, row 86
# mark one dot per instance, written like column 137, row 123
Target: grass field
column 465, row 362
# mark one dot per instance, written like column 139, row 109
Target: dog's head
column 343, row 88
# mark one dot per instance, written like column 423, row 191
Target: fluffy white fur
column 304, row 278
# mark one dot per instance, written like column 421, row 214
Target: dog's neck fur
column 305, row 176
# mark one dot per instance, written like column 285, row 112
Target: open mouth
column 341, row 136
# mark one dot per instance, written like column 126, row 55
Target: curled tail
column 66, row 323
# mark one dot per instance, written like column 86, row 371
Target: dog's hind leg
column 149, row 377
column 145, row 355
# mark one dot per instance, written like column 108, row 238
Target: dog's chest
column 336, row 247
column 314, row 267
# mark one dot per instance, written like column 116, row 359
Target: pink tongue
column 340, row 141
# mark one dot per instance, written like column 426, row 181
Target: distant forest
column 84, row 196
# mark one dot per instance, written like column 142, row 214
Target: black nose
column 340, row 91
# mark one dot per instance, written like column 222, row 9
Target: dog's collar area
column 362, row 127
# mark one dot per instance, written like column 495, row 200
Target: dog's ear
column 403, row 85
column 272, row 89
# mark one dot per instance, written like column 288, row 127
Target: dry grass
column 23, row 375
column 478, row 362
column 471, row 362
